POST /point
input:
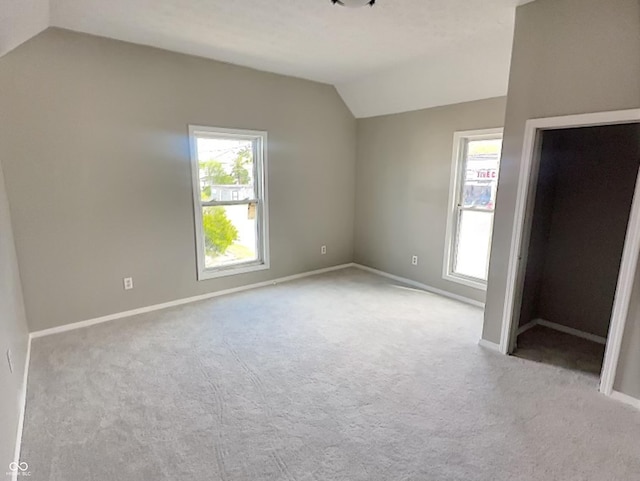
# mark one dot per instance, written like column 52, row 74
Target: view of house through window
column 475, row 195
column 229, row 197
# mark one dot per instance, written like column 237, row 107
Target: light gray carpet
column 336, row 377
column 542, row 344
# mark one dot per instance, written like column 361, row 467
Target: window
column 230, row 201
column 474, row 182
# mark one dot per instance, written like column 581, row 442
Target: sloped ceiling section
column 475, row 69
column 20, row 20
column 399, row 55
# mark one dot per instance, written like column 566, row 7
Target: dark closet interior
column 585, row 188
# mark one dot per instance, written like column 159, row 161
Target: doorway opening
column 584, row 191
column 575, row 242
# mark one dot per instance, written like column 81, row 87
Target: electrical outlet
column 128, row 283
column 323, row 250
column 10, row 361
column 414, row 260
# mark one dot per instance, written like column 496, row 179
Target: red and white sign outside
column 482, row 174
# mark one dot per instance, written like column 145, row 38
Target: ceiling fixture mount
column 354, row 3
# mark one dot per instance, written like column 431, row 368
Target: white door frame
column 522, row 223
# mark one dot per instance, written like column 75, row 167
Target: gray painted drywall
column 13, row 335
column 583, row 215
column 569, row 57
column 402, row 188
column 96, row 159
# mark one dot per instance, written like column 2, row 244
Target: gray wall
column 583, row 202
column 569, row 57
column 13, row 335
column 96, row 159
column 402, row 188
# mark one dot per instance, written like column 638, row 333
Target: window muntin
column 229, row 200
column 474, row 188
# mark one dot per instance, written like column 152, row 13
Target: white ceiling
column 20, row 20
column 399, row 55
column 476, row 68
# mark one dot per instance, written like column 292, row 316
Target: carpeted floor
column 344, row 376
column 542, row 344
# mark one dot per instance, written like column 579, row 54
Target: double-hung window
column 472, row 197
column 230, row 200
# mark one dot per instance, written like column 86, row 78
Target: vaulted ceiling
column 399, row 55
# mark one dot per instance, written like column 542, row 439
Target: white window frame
column 460, row 140
column 259, row 139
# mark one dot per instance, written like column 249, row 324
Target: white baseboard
column 22, row 407
column 179, row 302
column 421, row 286
column 209, row 295
column 618, row 396
column 624, row 398
column 527, row 326
column 570, row 330
column 489, row 345
column 559, row 327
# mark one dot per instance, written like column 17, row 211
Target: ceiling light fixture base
column 354, row 3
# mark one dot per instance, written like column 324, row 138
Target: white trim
column 622, row 297
column 179, row 302
column 23, row 407
column 527, row 326
column 489, row 345
column 465, row 281
column 625, row 398
column 422, row 286
column 559, row 327
column 570, row 330
column 259, row 137
column 455, row 182
column 529, row 161
column 232, row 270
column 516, row 238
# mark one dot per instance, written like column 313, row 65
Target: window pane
column 230, row 234
column 473, row 244
column 482, row 159
column 226, row 169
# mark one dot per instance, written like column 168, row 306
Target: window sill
column 466, row 281
column 206, row 274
